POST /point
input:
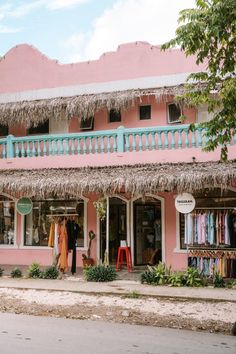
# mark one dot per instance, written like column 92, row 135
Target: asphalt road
column 21, row 334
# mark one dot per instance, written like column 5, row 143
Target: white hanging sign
column 185, row 203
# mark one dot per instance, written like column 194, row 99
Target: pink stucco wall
column 17, row 130
column 25, row 68
column 130, row 117
column 127, row 158
column 178, row 261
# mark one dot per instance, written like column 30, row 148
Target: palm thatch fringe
column 32, row 113
column 135, row 180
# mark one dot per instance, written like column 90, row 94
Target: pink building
column 109, row 131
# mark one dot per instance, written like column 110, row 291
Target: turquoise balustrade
column 162, row 138
column 3, row 148
column 103, row 142
column 59, row 144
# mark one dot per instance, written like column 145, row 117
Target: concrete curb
column 122, row 288
column 125, row 294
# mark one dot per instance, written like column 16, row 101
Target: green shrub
column 230, row 284
column 162, row 273
column 157, row 275
column 100, row 273
column 1, row 271
column 50, row 273
column 233, row 282
column 177, row 279
column 149, row 277
column 34, row 271
column 16, row 273
column 193, row 277
column 218, row 280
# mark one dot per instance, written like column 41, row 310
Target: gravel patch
column 180, row 313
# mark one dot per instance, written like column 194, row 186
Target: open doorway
column 110, row 236
column 147, row 231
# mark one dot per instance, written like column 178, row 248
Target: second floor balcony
column 121, row 140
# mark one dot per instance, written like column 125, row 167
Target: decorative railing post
column 10, row 150
column 120, row 139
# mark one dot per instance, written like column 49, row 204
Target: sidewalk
column 119, row 287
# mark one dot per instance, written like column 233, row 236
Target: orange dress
column 51, row 236
column 63, row 247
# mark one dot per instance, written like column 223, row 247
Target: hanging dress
column 51, row 236
column 72, row 232
column 63, row 247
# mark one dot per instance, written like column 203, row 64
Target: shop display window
column 212, row 223
column 209, row 233
column 7, row 221
column 45, row 212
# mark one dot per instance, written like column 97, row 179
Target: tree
column 209, row 32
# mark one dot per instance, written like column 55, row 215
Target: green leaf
column 209, row 32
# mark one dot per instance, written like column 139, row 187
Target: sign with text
column 24, row 206
column 185, row 203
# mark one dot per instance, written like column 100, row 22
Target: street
column 31, row 334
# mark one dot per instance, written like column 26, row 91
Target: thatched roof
column 137, row 179
column 35, row 112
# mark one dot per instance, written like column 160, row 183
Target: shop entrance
column 147, row 231
column 113, row 230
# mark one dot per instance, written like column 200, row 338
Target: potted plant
column 86, row 258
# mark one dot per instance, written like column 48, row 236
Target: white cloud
column 9, row 9
column 126, row 21
column 23, row 9
column 75, row 44
column 6, row 29
column 75, row 41
column 4, row 9
column 59, row 4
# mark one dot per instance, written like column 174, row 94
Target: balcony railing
column 103, row 142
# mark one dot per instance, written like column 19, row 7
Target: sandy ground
column 177, row 313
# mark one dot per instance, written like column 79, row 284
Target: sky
column 81, row 30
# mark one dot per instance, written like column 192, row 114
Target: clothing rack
column 52, row 215
column 216, row 208
column 219, row 253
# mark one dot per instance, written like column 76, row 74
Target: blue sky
column 77, row 30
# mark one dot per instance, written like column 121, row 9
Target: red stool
column 120, row 258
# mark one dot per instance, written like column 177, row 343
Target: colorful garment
column 63, row 247
column 51, row 236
